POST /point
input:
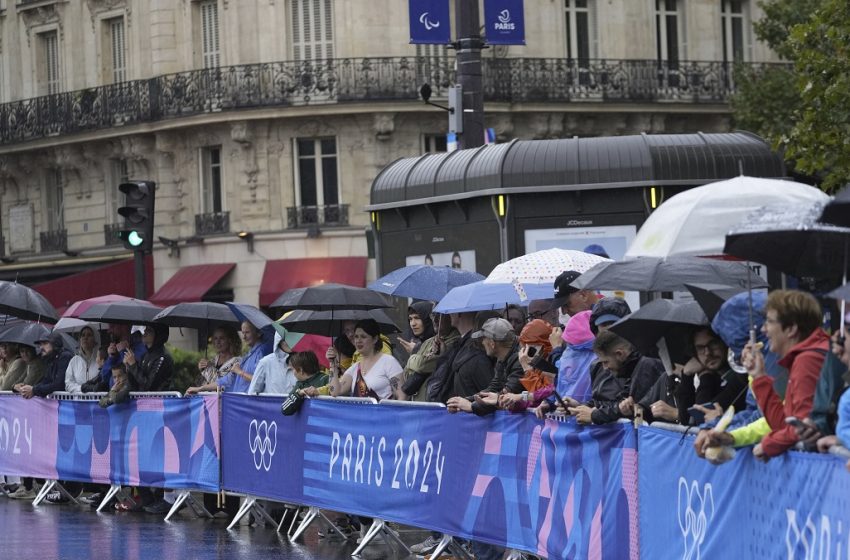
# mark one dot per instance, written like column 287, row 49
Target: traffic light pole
column 139, row 257
column 469, row 45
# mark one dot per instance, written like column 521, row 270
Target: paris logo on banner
column 429, row 22
column 504, row 22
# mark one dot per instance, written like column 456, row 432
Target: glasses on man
column 713, row 346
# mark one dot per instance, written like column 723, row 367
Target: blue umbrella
column 481, row 296
column 423, row 281
column 245, row 312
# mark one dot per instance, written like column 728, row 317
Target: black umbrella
column 663, row 318
column 653, row 274
column 329, row 323
column 201, row 315
column 712, row 296
column 25, row 333
column 326, row 297
column 837, row 211
column 25, row 303
column 791, row 240
column 131, row 312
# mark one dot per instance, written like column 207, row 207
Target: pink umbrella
column 77, row 308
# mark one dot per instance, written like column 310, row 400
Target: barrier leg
column 113, row 492
column 48, row 486
column 293, row 522
column 308, row 518
column 448, row 544
column 197, row 508
column 380, row 527
column 252, row 503
column 514, row 555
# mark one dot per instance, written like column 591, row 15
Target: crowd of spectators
column 785, row 386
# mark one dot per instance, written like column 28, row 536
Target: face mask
column 563, row 318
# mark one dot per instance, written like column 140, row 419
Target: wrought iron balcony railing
column 282, row 84
column 54, row 241
column 306, row 216
column 110, row 234
column 214, row 222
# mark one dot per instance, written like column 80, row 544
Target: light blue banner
column 795, row 506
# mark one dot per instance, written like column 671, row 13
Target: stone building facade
column 272, row 117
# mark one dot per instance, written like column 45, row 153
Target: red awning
column 114, row 278
column 190, row 283
column 282, row 275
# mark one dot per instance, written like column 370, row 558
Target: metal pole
column 469, row 45
column 140, row 274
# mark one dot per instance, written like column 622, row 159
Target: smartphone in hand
column 697, row 414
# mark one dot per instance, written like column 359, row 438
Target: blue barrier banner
column 504, row 22
column 429, row 22
column 795, row 506
column 162, row 442
column 551, row 488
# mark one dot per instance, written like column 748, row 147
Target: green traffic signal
column 134, row 239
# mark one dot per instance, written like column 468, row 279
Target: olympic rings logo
column 262, row 440
column 695, row 511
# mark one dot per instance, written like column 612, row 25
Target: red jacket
column 803, row 362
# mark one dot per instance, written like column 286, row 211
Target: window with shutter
column 312, row 29
column 50, row 60
column 54, row 207
column 211, row 192
column 581, row 30
column 735, row 25
column 119, row 66
column 209, row 34
column 669, row 38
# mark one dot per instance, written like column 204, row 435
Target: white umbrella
column 696, row 222
column 73, row 325
column 540, row 268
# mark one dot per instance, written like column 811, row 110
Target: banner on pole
column 504, row 22
column 429, row 22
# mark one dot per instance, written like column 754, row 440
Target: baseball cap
column 497, row 329
column 563, row 290
column 608, row 310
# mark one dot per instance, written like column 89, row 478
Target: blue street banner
column 504, row 22
column 794, row 506
column 429, row 22
column 550, row 488
column 161, row 442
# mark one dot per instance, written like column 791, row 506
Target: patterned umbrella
column 423, row 281
column 542, row 267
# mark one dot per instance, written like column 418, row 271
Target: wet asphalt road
column 70, row 532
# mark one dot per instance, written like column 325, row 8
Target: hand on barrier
column 506, row 401
column 662, row 410
column 541, row 410
column 710, row 413
column 583, row 413
column 491, row 399
column 458, row 404
column 627, row 407
column 825, row 442
column 758, row 453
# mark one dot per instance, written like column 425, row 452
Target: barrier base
column 48, row 487
column 197, row 507
column 380, row 527
column 309, row 517
column 115, row 491
column 251, row 503
column 448, row 544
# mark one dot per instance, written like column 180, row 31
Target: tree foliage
column 803, row 107
column 819, row 141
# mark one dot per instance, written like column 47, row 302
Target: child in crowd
column 120, row 387
column 308, row 373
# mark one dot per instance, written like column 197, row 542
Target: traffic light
column 138, row 215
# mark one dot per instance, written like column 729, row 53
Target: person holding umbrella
column 56, row 358
column 376, row 375
column 154, row 371
column 239, row 378
column 83, row 367
column 227, row 345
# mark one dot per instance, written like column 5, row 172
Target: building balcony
column 348, row 80
column 212, row 223
column 54, row 241
column 298, row 217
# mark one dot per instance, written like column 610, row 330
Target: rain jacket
column 235, row 383
column 842, row 430
column 804, row 363
column 423, row 362
column 156, row 369
column 273, row 374
column 82, row 368
column 57, row 362
column 722, row 388
column 506, row 375
column 16, row 373
column 469, row 371
column 635, row 379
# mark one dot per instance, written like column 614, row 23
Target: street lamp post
column 468, row 48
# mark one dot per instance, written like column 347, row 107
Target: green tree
column 819, row 141
column 766, row 96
